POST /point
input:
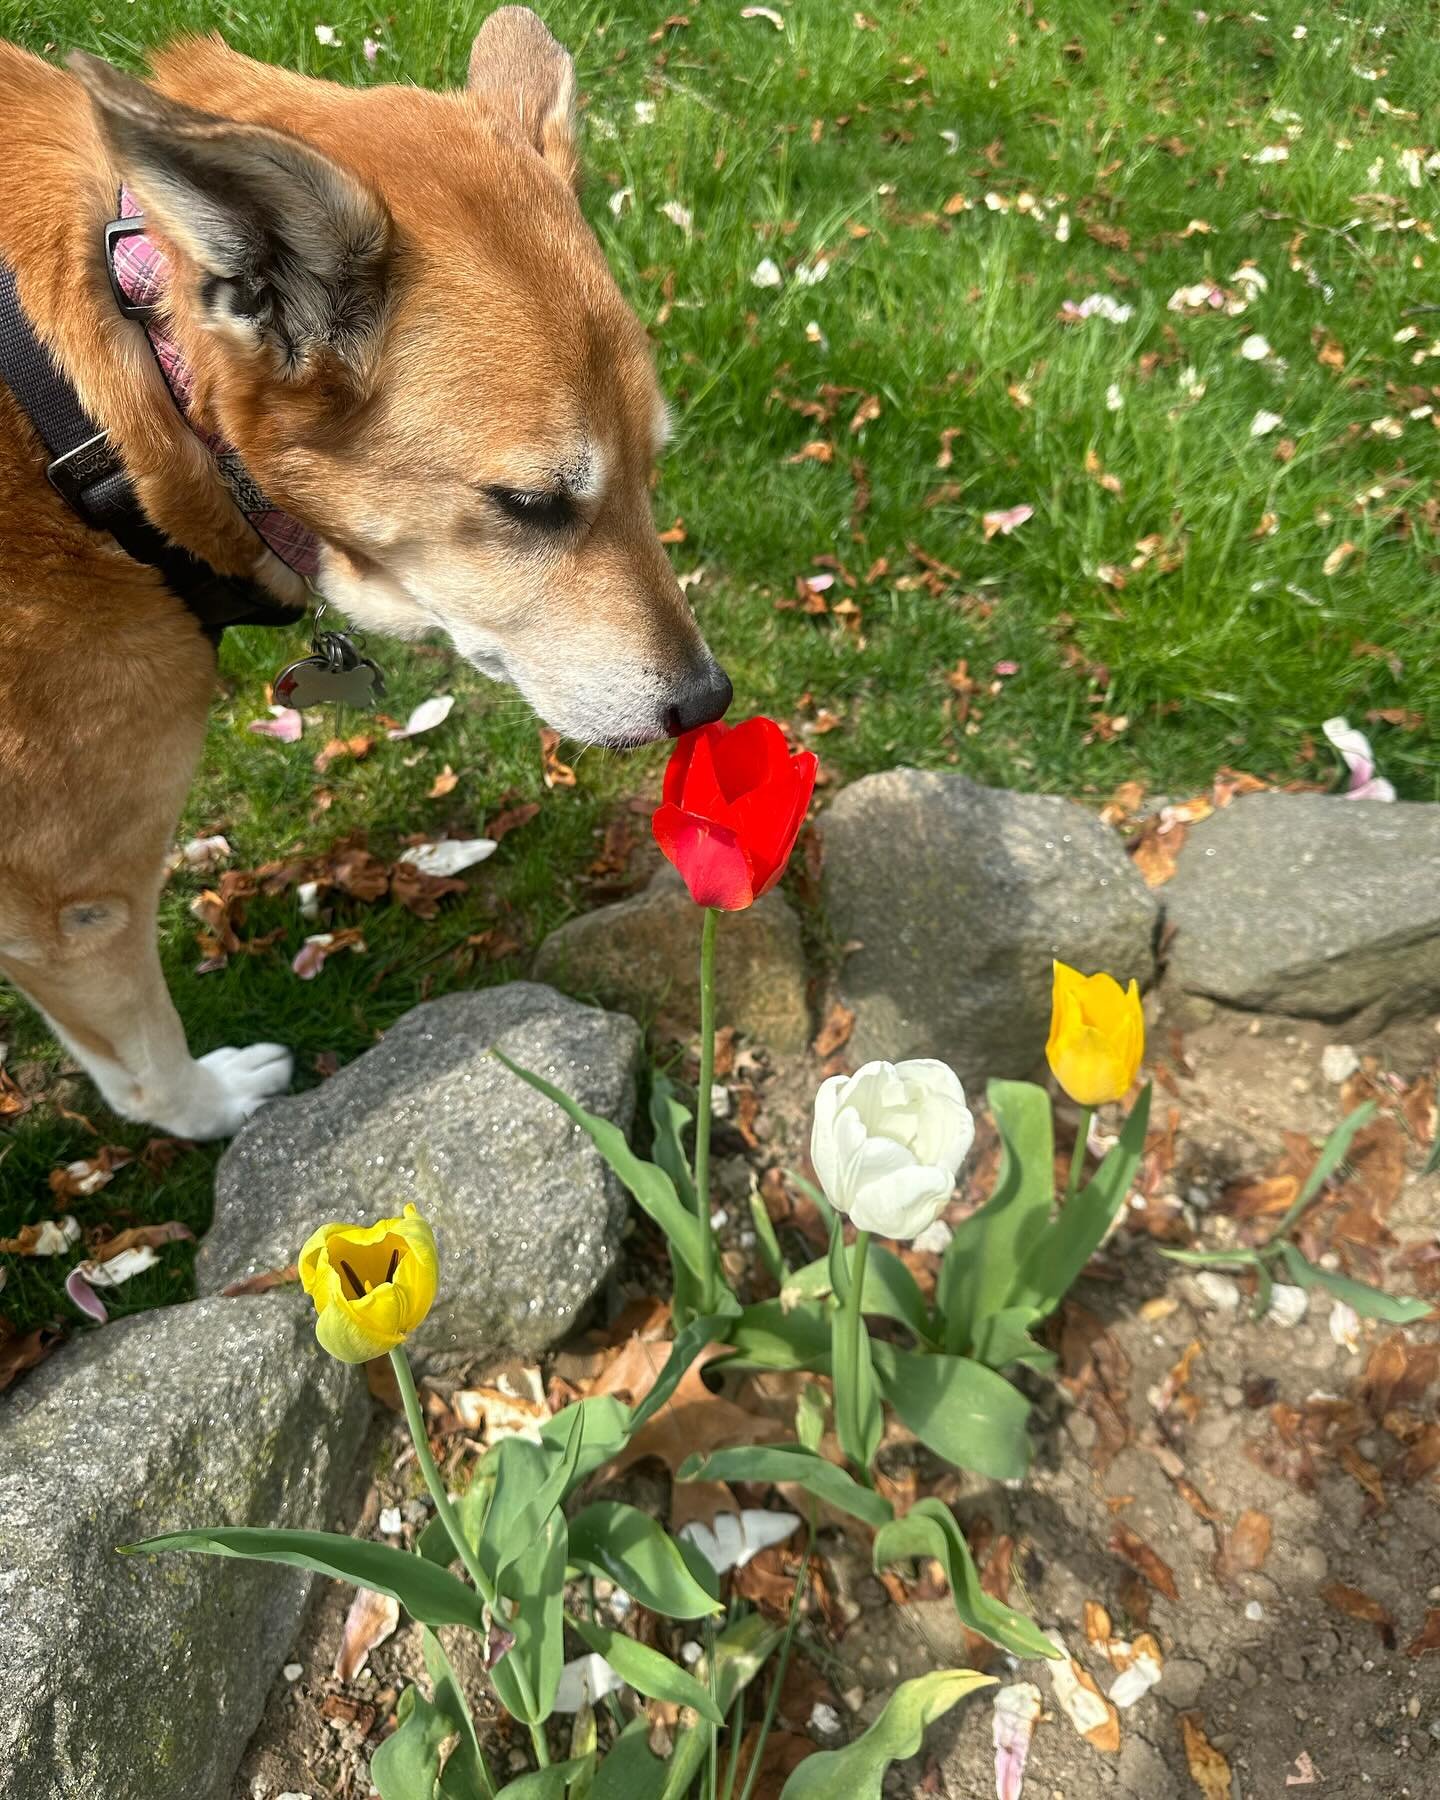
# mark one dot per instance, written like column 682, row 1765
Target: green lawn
column 964, row 172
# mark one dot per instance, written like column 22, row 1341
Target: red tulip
column 735, row 799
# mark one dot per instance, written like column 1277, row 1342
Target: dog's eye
column 546, row 511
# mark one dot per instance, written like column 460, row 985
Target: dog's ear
column 519, row 69
column 291, row 252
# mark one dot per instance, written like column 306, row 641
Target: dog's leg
column 106, row 999
column 107, row 1002
column 102, row 718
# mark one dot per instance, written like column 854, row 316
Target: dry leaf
column 1156, row 1571
column 1429, row 1635
column 1365, row 1472
column 1358, row 1605
column 556, row 773
column 1246, row 1547
column 371, row 1619
column 262, row 1283
column 817, row 450
column 1208, row 1768
column 444, row 783
column 834, row 1034
column 694, row 1421
column 336, row 749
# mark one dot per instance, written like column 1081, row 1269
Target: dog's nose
column 700, row 699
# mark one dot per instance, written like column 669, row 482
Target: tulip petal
column 708, row 856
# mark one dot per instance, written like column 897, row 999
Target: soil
column 1269, row 1419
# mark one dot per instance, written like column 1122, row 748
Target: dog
column 385, row 304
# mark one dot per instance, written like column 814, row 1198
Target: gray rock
column 1142, row 1771
column 1182, row 1681
column 959, row 897
column 1312, row 905
column 144, row 1676
column 643, row 956
column 526, row 1215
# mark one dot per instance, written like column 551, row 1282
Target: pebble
column 1219, row 1290
column 1182, row 1680
column 392, row 1521
column 1232, row 1395
column 1214, row 1430
column 854, row 1698
column 1082, row 1430
column 293, row 1671
column 1338, row 1062
column 1312, row 1563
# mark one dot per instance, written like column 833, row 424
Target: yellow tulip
column 1097, row 1035
column 371, row 1284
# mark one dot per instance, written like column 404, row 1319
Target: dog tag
column 335, row 674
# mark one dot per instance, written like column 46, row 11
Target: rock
column 1142, row 1770
column 1338, row 1062
column 1311, row 905
column 959, row 896
column 1182, row 1681
column 526, row 1215
column 643, row 956
column 146, row 1675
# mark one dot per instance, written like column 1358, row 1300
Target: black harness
column 86, row 472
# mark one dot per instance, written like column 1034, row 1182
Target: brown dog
column 389, row 303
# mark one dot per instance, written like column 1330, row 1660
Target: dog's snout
column 699, row 700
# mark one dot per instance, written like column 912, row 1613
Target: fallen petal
column 1006, row 521
column 449, row 855
column 371, row 1619
column 736, row 1537
column 1017, row 1707
column 284, row 723
column 84, row 1296
column 584, row 1681
column 120, row 1268
column 426, row 716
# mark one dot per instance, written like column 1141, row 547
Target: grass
column 930, row 160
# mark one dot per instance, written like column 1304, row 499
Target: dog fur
column 395, row 311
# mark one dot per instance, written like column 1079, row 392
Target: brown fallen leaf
column 817, row 450
column 1428, row 1637
column 1208, row 1768
column 262, row 1283
column 556, row 773
column 19, row 1353
column 866, row 412
column 1154, row 1568
column 1356, row 1604
column 1364, row 1471
column 834, row 1033
column 695, row 1420
column 141, row 1237
column 371, row 1619
column 444, row 783
column 1245, row 1547
column 336, row 749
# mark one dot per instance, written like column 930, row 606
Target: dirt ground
column 1172, row 1419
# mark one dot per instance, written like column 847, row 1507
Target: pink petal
column 284, row 724
column 84, row 1296
column 309, row 959
column 1006, row 521
column 1007, row 668
column 817, row 584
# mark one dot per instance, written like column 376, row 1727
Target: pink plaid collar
column 141, row 272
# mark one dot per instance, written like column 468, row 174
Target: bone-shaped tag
column 314, row 682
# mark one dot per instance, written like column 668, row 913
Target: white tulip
column 888, row 1142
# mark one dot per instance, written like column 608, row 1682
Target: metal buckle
column 79, row 469
column 115, row 229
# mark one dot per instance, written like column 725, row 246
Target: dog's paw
column 228, row 1086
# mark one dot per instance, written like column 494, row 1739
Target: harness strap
column 87, row 472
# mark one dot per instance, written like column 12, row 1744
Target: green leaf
column 812, row 1409
column 963, row 1411
column 630, row 1770
column 1053, row 1261
column 549, row 1783
column 1331, row 1156
column 510, row 1528
column 1206, row 1259
column 791, row 1462
column 607, row 1431
column 740, row 1653
column 535, row 1583
column 931, row 1529
column 691, row 1341
column 646, row 1670
column 428, row 1593
column 625, row 1544
column 766, row 1241
column 765, row 1336
column 651, row 1188
column 890, row 1289
column 982, row 1257
column 1004, row 1337
column 1264, row 1289
column 466, row 1776
column 858, row 1770
column 407, row 1764
column 668, row 1118
column 1371, row 1302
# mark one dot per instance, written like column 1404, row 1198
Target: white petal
column 119, row 1268
column 450, row 855
column 736, row 1537
column 588, row 1678
column 904, row 1202
column 823, row 1151
column 426, row 716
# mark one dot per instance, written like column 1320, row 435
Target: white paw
column 228, row 1086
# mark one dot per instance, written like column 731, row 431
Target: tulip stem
column 1077, row 1160
column 415, row 1419
column 853, row 1383
column 708, row 1295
